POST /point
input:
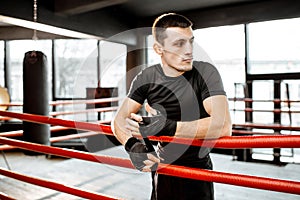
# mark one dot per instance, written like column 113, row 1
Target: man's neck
column 171, row 71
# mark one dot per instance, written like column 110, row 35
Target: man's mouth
column 187, row 59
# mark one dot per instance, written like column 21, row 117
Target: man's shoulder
column 203, row 65
column 149, row 72
column 151, row 68
column 204, row 68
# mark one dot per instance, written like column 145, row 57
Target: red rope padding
column 268, row 126
column 68, row 153
column 274, row 141
column 60, row 122
column 12, row 104
column 237, row 142
column 292, row 187
column 274, row 110
column 58, row 138
column 6, row 147
column 54, row 185
column 5, row 118
column 89, row 101
column 72, row 136
column 240, row 141
column 4, row 196
column 17, row 133
column 242, row 132
column 66, row 102
column 261, row 100
column 53, row 139
column 106, row 109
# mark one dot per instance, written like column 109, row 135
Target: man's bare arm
column 139, row 154
column 119, row 123
column 215, row 126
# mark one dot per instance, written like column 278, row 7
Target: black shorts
column 171, row 187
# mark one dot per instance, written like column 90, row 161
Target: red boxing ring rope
column 3, row 196
column 106, row 109
column 286, row 186
column 260, row 100
column 274, row 110
column 60, row 122
column 57, row 139
column 89, row 101
column 66, row 102
column 68, row 153
column 4, row 118
column 12, row 133
column 53, row 139
column 6, row 147
column 274, row 141
column 242, row 132
column 55, row 186
column 268, row 126
column 238, row 142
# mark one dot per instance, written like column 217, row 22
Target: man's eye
column 179, row 44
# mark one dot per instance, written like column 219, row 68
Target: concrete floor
column 126, row 183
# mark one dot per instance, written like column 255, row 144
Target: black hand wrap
column 155, row 125
column 138, row 153
column 158, row 125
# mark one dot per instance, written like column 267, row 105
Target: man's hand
column 155, row 124
column 141, row 157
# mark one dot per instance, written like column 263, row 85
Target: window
column 113, row 70
column 113, row 66
column 152, row 57
column 263, row 90
column 225, row 48
column 2, row 63
column 17, row 50
column 274, row 46
column 75, row 67
column 290, row 90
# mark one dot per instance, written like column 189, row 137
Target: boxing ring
column 237, row 142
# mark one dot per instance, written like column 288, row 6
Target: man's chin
column 186, row 67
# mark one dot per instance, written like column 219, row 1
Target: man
column 186, row 99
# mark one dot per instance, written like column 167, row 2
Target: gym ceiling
column 105, row 18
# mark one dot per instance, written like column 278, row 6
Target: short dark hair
column 165, row 21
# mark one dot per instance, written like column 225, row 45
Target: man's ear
column 158, row 48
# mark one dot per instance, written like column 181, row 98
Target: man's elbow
column 114, row 126
column 226, row 130
column 222, row 130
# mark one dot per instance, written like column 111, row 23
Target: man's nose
column 188, row 49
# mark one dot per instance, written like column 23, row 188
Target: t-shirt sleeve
column 138, row 89
column 213, row 84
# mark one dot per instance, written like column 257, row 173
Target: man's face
column 177, row 51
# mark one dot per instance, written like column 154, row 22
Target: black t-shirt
column 181, row 98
